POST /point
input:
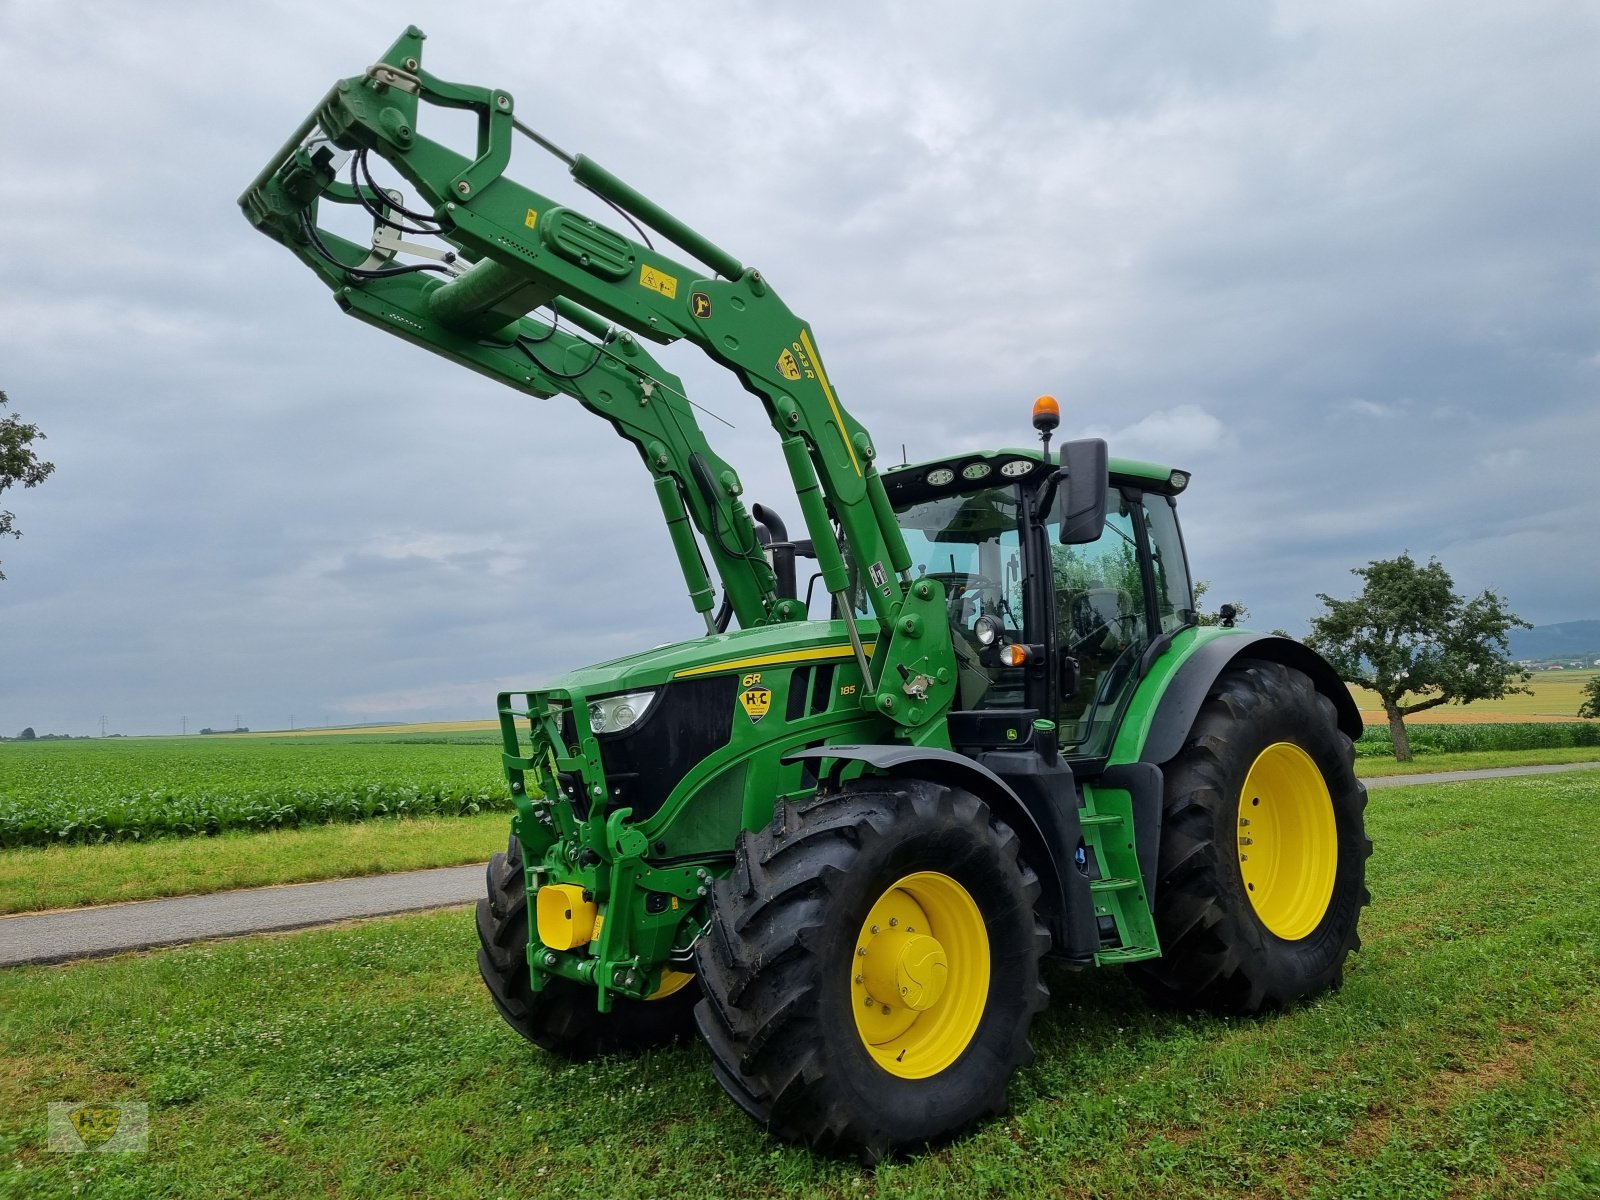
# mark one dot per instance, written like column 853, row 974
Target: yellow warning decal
column 599, row 924
column 788, row 366
column 659, row 281
column 756, row 702
column 531, row 219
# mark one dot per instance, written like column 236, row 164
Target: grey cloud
column 1337, row 261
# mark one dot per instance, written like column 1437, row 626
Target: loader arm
column 614, row 377
column 526, row 252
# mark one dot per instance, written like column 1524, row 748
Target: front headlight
column 613, row 714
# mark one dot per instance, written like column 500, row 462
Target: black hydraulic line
column 708, row 489
column 624, row 214
column 599, row 349
column 360, row 159
column 399, row 208
column 555, row 323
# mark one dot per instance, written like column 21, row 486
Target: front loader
column 838, row 832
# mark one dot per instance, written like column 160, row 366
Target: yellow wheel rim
column 919, row 978
column 1288, row 841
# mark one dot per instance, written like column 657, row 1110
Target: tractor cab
column 1051, row 637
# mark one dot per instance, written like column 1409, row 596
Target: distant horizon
column 491, row 719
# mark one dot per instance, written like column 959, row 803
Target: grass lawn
column 35, row 878
column 1458, row 1060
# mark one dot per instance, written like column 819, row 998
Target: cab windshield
column 970, row 543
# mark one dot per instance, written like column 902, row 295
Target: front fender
column 1047, row 844
column 1169, row 698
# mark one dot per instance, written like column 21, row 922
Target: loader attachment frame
column 514, row 252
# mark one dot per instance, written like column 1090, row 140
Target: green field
column 124, row 789
column 1484, row 737
column 1458, row 1061
column 115, row 789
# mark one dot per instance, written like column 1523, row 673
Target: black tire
column 1219, row 952
column 562, row 1017
column 776, row 967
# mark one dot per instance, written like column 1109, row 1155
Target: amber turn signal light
column 1014, row 655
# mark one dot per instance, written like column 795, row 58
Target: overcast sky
column 1338, row 260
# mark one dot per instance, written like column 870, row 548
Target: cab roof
column 997, row 466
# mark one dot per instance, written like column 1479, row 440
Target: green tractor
column 840, row 831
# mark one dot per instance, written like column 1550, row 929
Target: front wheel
column 872, row 968
column 1262, row 873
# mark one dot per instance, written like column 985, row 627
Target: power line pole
column 102, row 725
column 186, row 726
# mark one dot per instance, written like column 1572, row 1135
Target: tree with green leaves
column 19, row 462
column 1410, row 635
column 1591, row 699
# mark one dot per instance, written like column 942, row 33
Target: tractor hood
column 717, row 654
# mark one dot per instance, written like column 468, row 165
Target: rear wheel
column 1263, row 851
column 561, row 1017
column 872, row 968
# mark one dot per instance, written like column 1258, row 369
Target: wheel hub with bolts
column 920, row 975
column 906, row 968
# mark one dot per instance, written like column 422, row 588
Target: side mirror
column 1083, row 516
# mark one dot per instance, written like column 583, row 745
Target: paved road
column 112, row 928
column 1386, row 781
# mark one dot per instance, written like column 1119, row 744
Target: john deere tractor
column 966, row 721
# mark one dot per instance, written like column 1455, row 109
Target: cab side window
column 1174, row 595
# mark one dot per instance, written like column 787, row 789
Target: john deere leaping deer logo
column 95, row 1124
column 753, row 698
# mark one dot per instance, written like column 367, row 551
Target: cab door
column 1102, row 621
